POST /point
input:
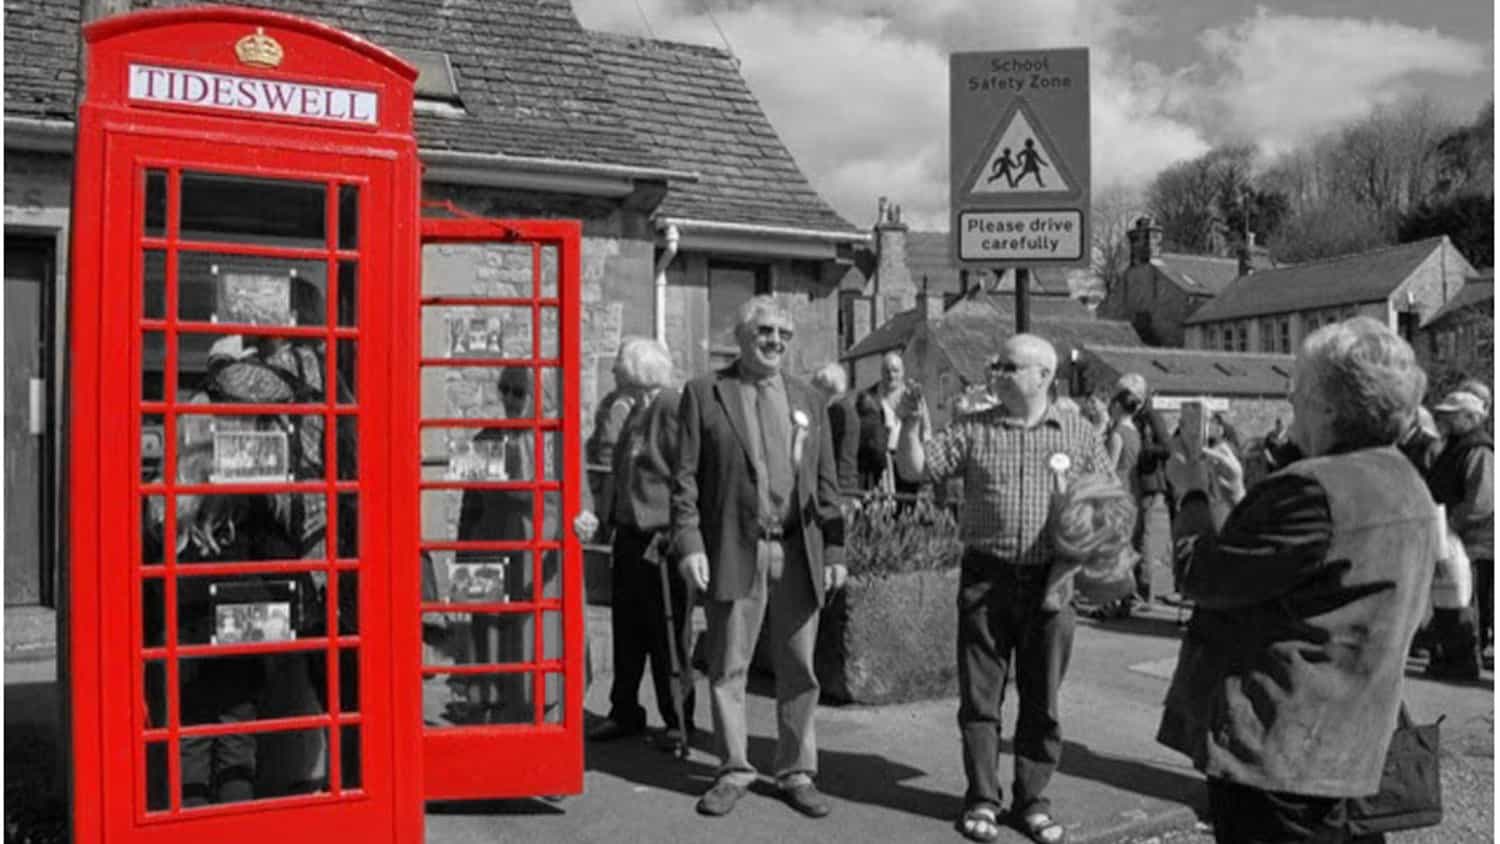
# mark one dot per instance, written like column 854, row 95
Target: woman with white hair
column 641, row 478
column 843, row 421
column 1306, row 600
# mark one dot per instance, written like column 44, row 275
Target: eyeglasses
column 769, row 331
column 1008, row 367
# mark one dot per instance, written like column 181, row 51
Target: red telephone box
column 242, row 597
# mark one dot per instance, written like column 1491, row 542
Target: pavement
column 893, row 772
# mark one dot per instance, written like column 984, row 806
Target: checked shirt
column 1007, row 484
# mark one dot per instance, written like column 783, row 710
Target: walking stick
column 680, row 671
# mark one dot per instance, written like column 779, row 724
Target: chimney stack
column 1247, row 254
column 1145, row 241
column 895, row 290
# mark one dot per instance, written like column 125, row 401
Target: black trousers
column 1245, row 815
column 1000, row 618
column 639, row 618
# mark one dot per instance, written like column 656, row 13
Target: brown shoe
column 805, row 798
column 719, row 800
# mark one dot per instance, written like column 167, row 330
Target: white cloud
column 858, row 89
column 1280, row 78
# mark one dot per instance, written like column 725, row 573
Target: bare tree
column 1113, row 210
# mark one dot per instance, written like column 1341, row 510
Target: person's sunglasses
column 769, row 331
column 518, row 392
column 1008, row 367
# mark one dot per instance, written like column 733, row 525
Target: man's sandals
column 981, row 823
column 1040, row 827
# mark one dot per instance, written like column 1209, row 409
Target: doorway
column 30, row 276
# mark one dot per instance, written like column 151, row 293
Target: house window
column 730, row 283
column 1284, row 335
column 1242, row 336
column 1267, row 335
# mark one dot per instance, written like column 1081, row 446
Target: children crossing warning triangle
column 1021, row 161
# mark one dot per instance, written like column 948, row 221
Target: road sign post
column 1019, row 161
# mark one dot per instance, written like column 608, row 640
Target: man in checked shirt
column 1008, row 457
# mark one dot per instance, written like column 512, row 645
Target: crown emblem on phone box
column 259, row 49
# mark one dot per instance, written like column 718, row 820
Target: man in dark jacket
column 757, row 528
column 1291, row 671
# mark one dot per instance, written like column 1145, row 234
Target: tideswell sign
column 252, row 95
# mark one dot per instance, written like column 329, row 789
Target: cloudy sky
column 858, row 89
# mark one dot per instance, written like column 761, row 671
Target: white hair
column 1368, row 375
column 831, row 379
column 754, row 308
column 645, row 363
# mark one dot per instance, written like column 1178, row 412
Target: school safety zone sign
column 1019, row 157
column 1020, row 235
column 253, row 95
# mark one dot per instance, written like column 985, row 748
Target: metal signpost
column 1019, row 161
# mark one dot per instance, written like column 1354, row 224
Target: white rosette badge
column 800, row 421
column 1059, row 464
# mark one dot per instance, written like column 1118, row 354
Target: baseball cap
column 1132, row 383
column 1460, row 400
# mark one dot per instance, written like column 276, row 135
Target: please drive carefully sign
column 1019, row 157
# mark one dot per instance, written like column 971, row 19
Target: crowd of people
column 1308, row 557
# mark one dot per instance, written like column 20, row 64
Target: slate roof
column 971, row 340
column 1479, row 293
column 1200, row 275
column 41, row 58
column 1199, row 372
column 689, row 105
column 895, row 333
column 527, row 76
column 1362, row 277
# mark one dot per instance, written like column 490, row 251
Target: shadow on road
column 512, row 808
column 1131, row 775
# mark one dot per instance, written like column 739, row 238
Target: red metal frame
column 118, row 141
column 539, row 758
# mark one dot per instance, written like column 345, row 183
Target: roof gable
column 689, row 105
column 894, row 333
column 1348, row 279
column 528, row 79
column 1478, row 294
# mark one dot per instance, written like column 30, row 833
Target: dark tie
column 775, row 434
